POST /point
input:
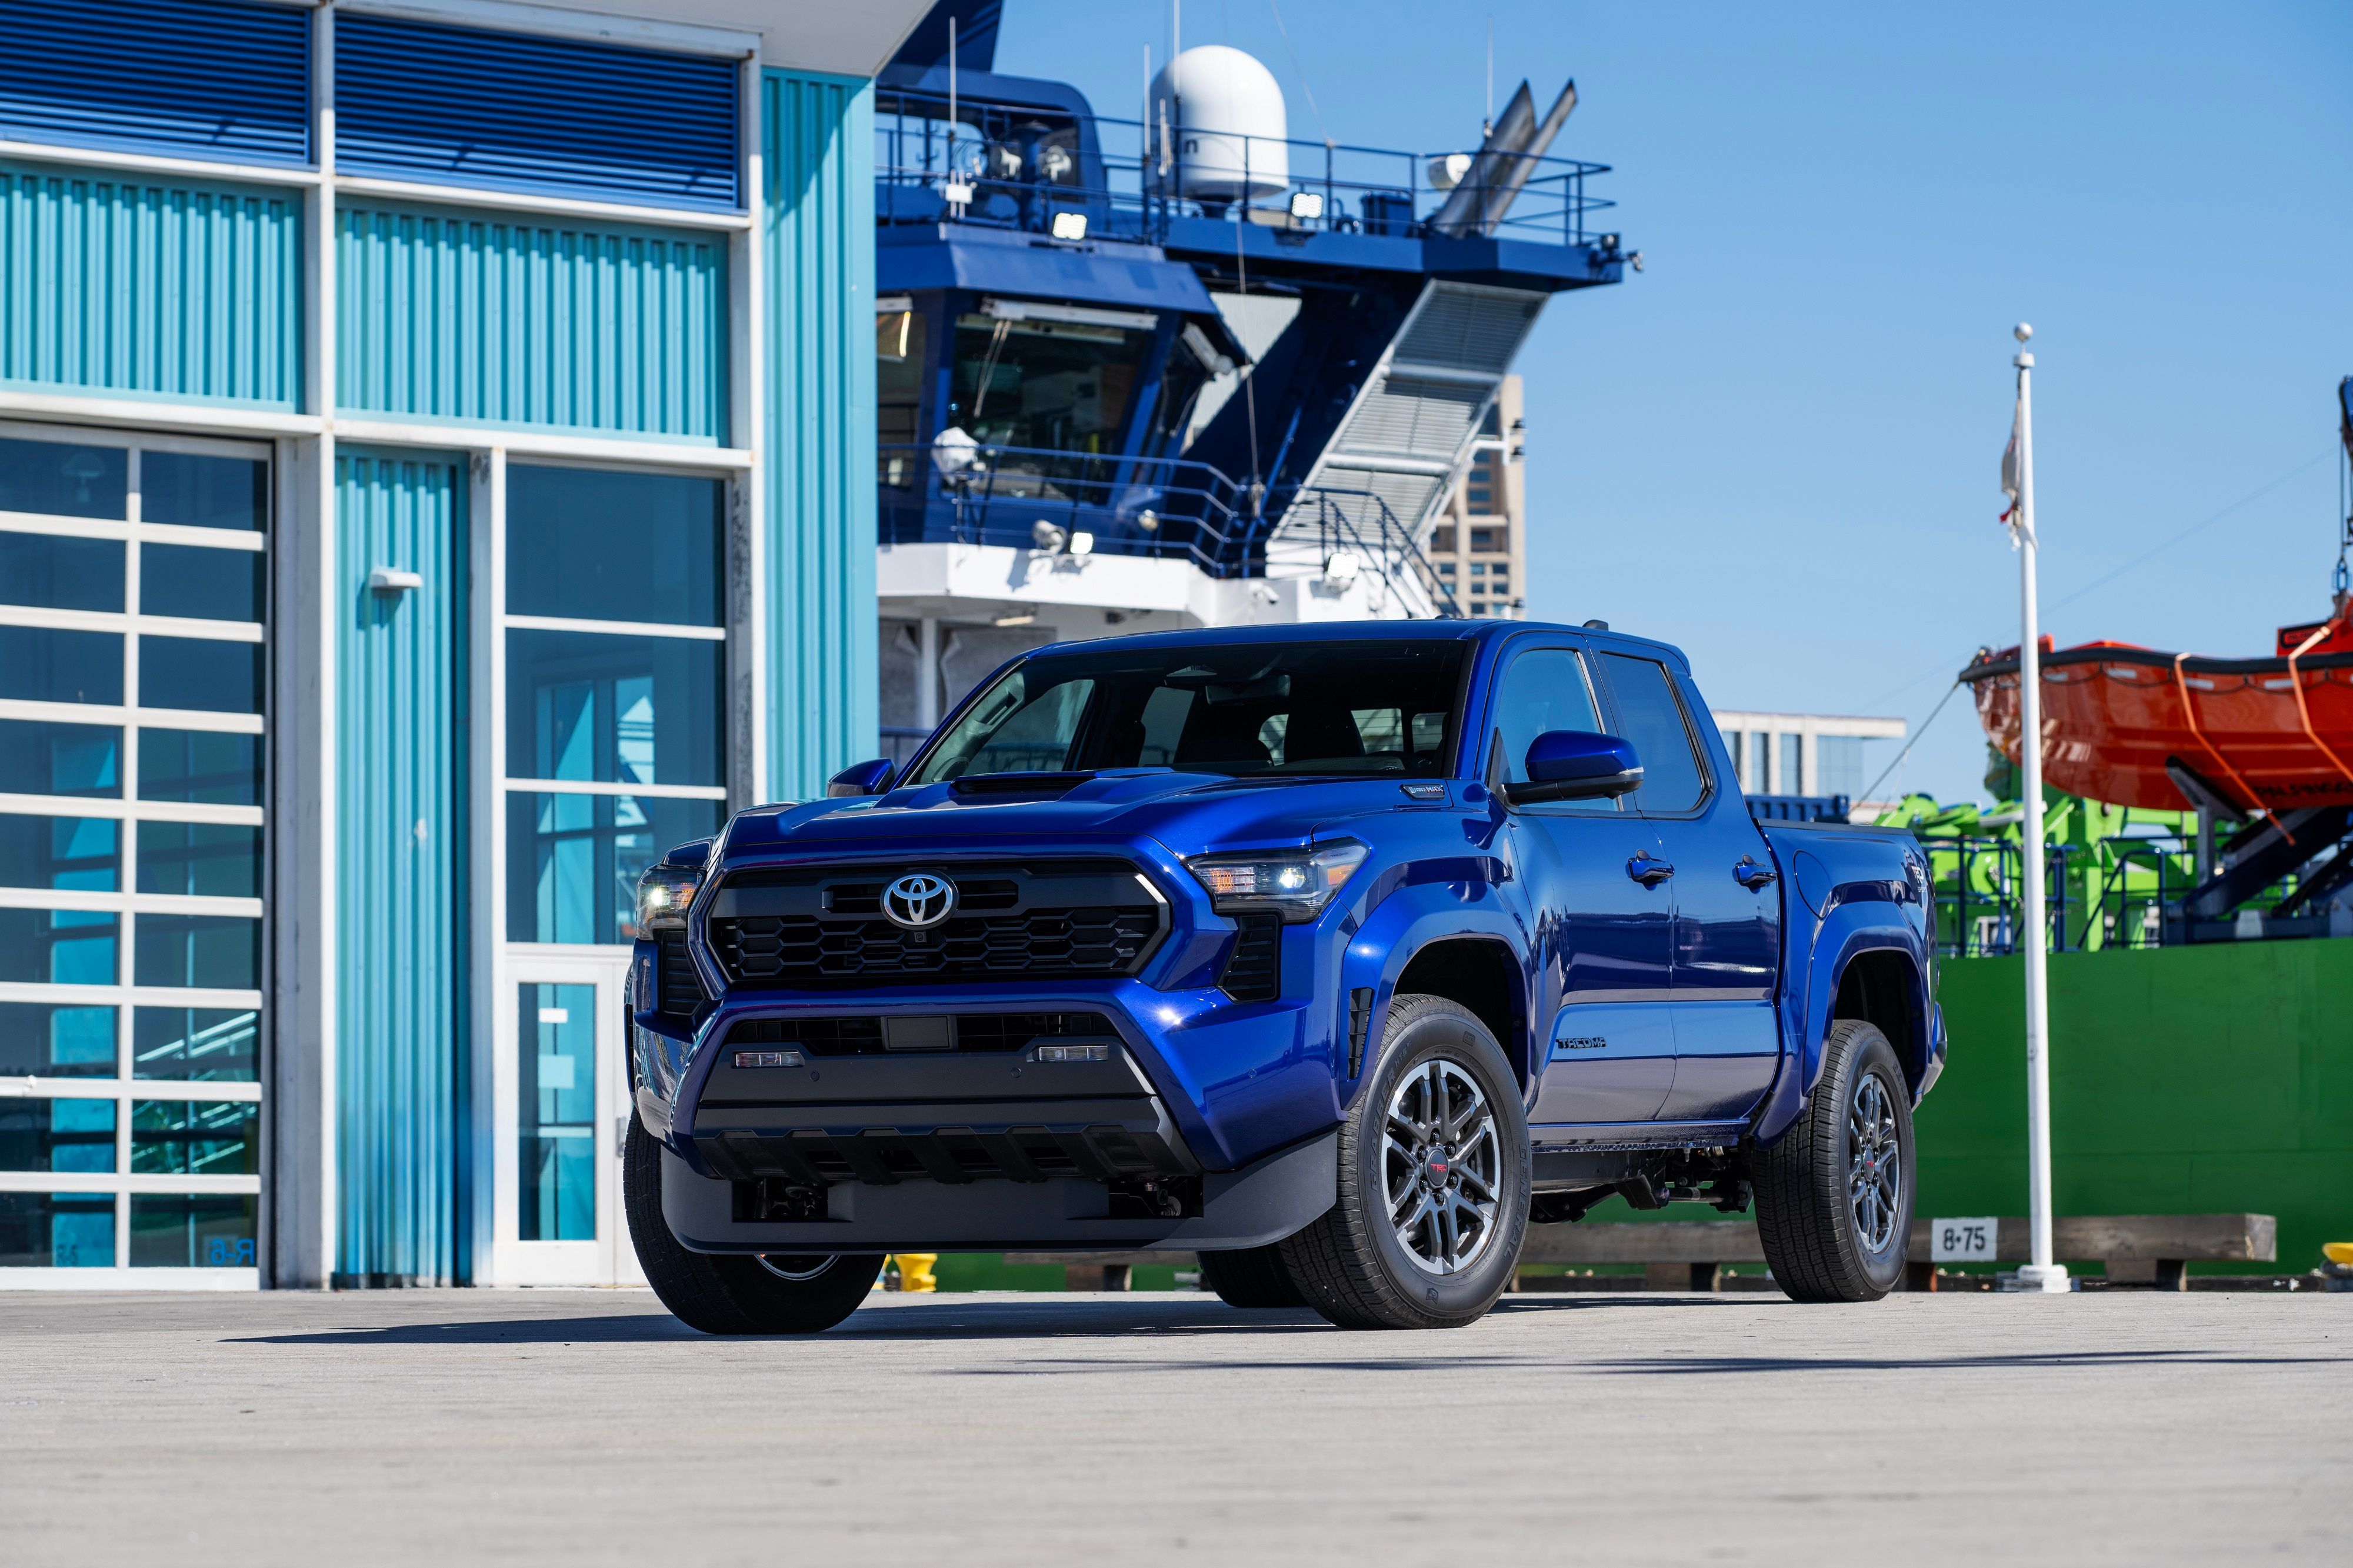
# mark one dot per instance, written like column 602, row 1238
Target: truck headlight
column 1293, row 883
column 663, row 893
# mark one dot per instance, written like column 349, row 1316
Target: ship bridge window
column 1045, row 386
column 899, row 391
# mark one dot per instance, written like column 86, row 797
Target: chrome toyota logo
column 918, row 900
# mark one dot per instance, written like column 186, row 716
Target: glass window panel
column 43, row 664
column 53, row 573
column 202, row 493
column 628, row 709
column 220, row 952
column 212, row 1045
column 555, row 1136
column 596, row 545
column 57, row 947
column 208, row 860
column 63, row 480
column 57, row 1230
column 1053, row 386
column 78, row 852
column 40, row 1040
column 38, row 757
column 200, row 766
column 197, row 672
column 1838, row 762
column 574, row 860
column 175, row 1230
column 204, row 584
column 1544, row 689
column 75, row 1135
column 1793, row 765
column 1651, row 717
column 195, row 1137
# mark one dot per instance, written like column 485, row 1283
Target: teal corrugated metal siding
column 504, row 320
column 116, row 283
column 401, row 894
column 817, row 226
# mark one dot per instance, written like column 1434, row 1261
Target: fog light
column 767, row 1059
column 1094, row 1053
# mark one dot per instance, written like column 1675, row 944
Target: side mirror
column 1578, row 764
column 865, row 778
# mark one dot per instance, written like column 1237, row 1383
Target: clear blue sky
column 1778, row 446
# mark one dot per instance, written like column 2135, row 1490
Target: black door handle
column 1648, row 868
column 1752, row 876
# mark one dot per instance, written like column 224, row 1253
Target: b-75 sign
column 1962, row 1240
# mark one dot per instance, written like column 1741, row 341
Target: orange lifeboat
column 2120, row 723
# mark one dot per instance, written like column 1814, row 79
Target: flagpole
column 2042, row 1273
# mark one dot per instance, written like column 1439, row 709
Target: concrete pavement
column 589, row 1427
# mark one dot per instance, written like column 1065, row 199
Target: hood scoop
column 1048, row 786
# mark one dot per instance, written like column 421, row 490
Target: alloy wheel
column 1875, row 1164
column 1442, row 1167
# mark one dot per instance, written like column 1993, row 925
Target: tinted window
column 194, row 1043
column 601, row 546
column 198, row 673
column 57, row 947
column 41, row 665
column 208, row 859
column 202, row 493
column 57, row 1230
column 1363, row 708
column 75, row 852
column 64, row 480
column 40, row 758
column 38, row 1040
column 1543, row 689
column 631, row 709
column 574, row 860
column 205, row 584
column 208, row 952
column 200, row 766
column 58, row 574
column 1651, row 717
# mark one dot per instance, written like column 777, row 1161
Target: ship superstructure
column 1179, row 370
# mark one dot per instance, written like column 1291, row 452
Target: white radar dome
column 1218, row 127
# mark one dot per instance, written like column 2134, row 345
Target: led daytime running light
column 1295, row 884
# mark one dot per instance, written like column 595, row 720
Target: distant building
column 1480, row 544
column 1803, row 754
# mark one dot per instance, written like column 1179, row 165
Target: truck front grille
column 971, row 1033
column 820, row 927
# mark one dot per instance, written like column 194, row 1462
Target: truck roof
column 1441, row 629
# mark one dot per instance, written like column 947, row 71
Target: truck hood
column 1189, row 814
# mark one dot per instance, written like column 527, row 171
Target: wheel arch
column 1482, row 974
column 1883, row 987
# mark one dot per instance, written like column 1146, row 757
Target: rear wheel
column 1250, row 1276
column 1433, row 1199
column 777, row 1293
column 1834, row 1195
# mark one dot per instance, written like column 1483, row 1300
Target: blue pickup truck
column 1338, row 954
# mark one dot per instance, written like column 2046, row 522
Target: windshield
column 1354, row 708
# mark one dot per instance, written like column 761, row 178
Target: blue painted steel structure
column 510, row 320
column 202, row 78
column 817, row 234
column 402, row 911
column 1639, row 1010
column 148, row 286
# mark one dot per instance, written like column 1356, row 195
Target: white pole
column 2042, row 1274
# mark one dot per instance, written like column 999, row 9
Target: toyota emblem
column 918, row 900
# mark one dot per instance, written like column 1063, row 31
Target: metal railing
column 1076, row 503
column 1022, row 164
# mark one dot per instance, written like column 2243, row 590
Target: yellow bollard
column 915, row 1270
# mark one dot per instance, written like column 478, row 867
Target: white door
column 561, row 1100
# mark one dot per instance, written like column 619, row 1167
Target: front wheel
column 780, row 1293
column 1433, row 1198
column 1834, row 1195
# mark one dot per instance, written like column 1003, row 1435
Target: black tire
column 1818, row 1197
column 1351, row 1264
column 1250, row 1276
column 738, row 1294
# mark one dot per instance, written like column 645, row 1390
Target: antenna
column 1487, row 122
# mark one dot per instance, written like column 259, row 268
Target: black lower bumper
column 1264, row 1200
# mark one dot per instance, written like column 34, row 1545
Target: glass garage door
column 134, row 664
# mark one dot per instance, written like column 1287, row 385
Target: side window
column 1651, row 717
column 1543, row 689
